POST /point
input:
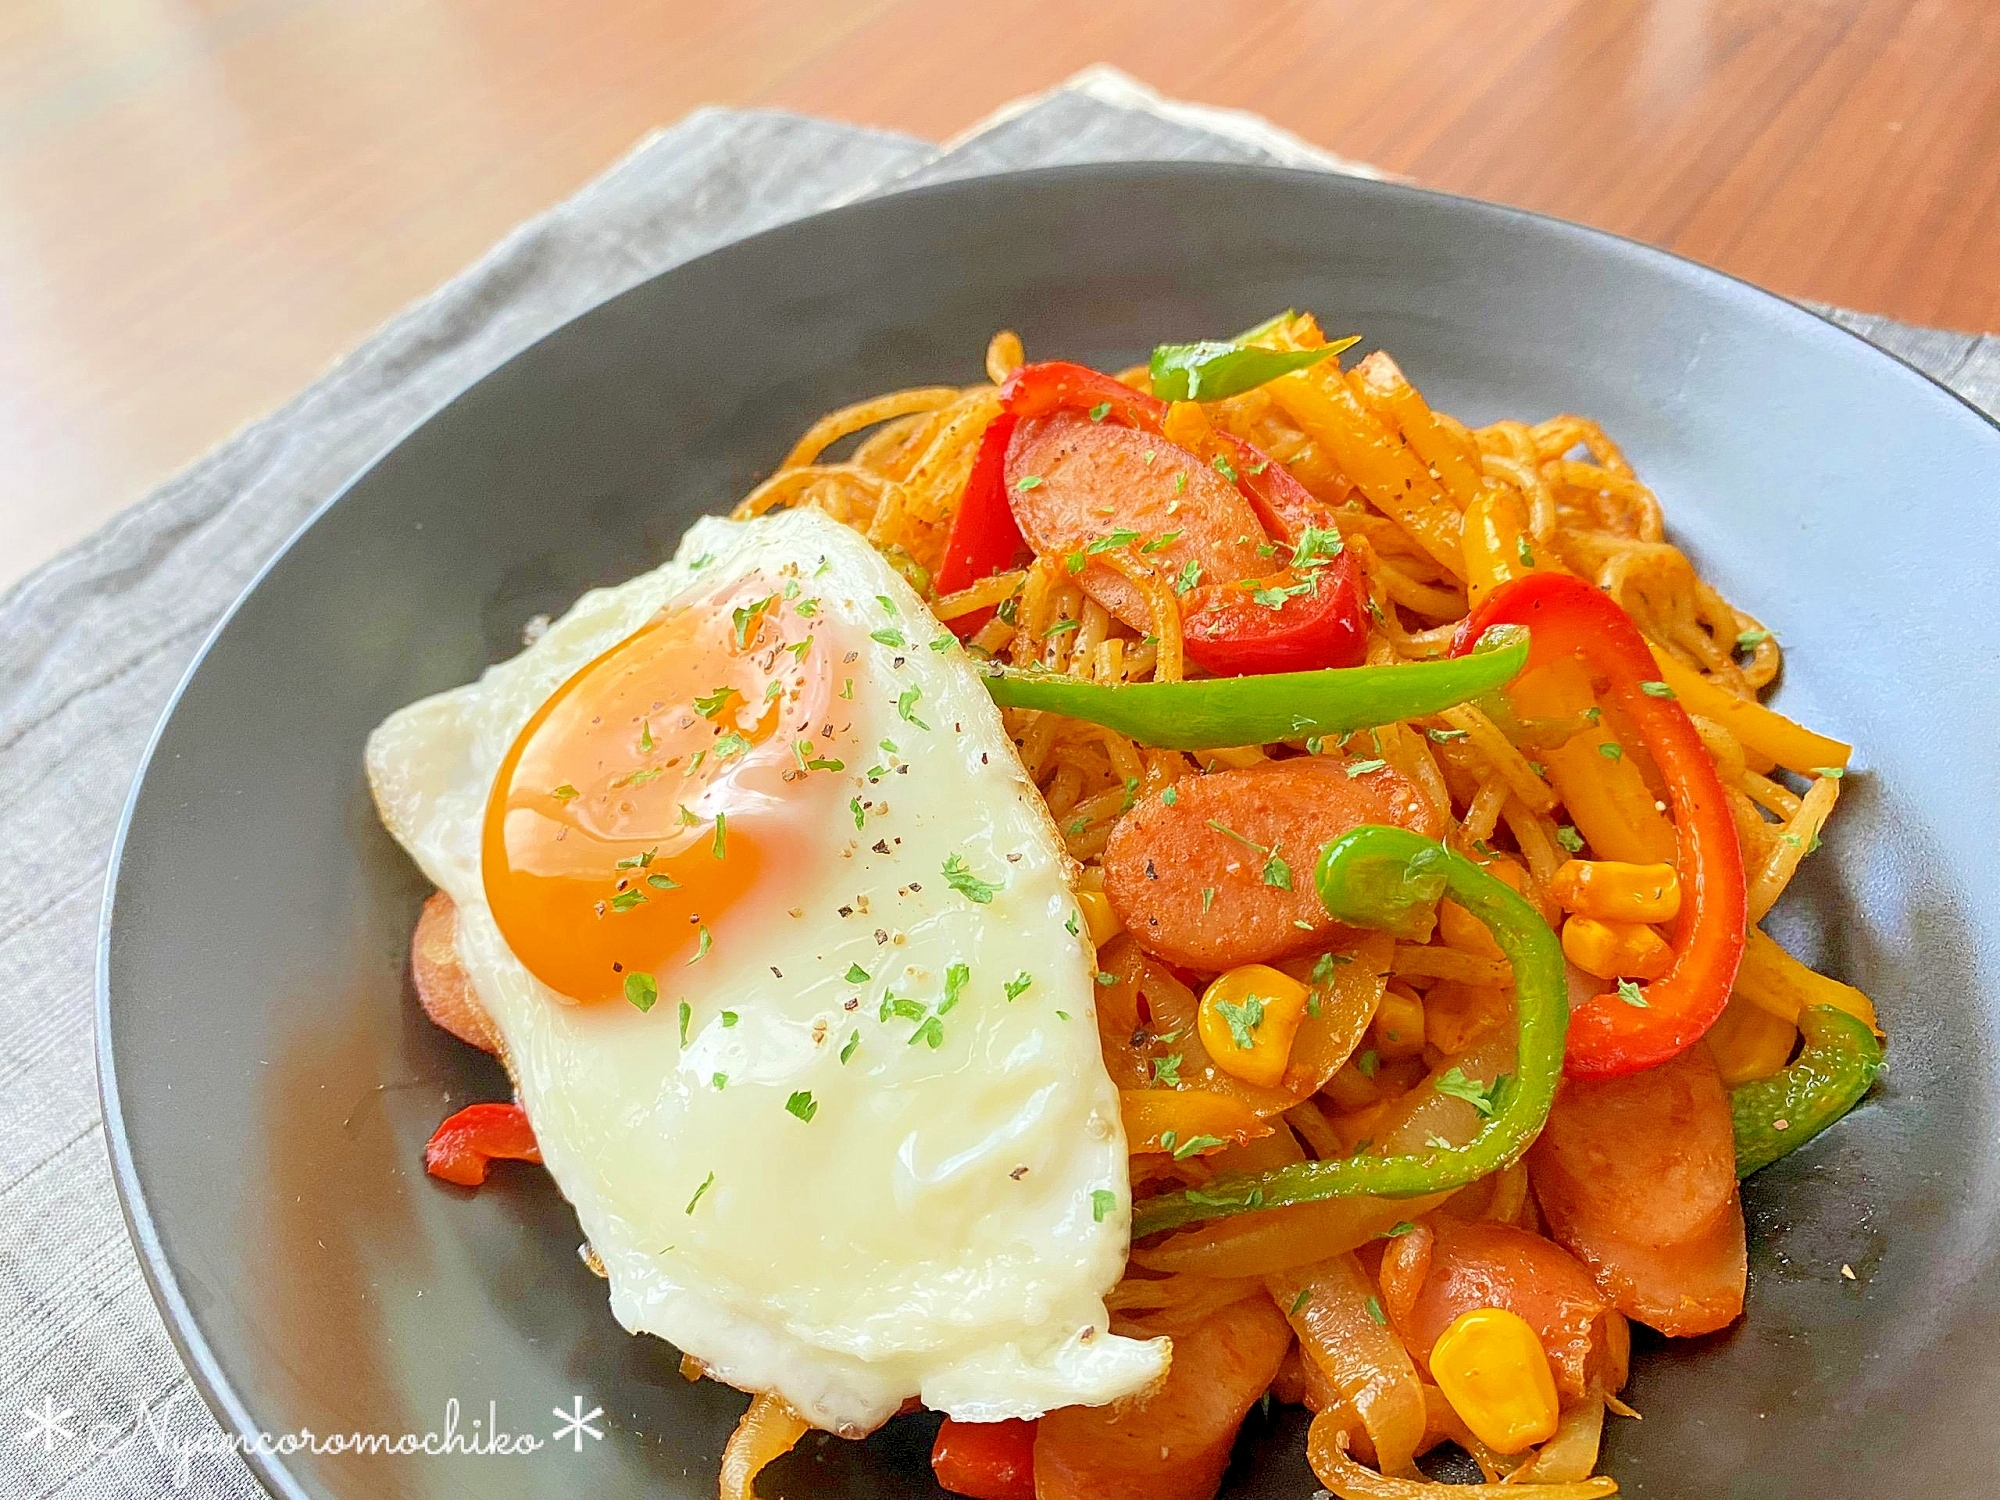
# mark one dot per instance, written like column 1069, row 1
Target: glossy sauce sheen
column 845, row 1176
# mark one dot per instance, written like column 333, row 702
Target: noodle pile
column 1417, row 495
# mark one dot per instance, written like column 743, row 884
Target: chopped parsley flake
column 1277, row 872
column 1180, row 481
column 1368, row 1062
column 931, row 1031
column 1364, row 767
column 626, row 900
column 719, row 1080
column 1750, row 640
column 860, row 817
column 1104, row 978
column 687, row 1014
column 1242, row 1020
column 1448, row 736
column 853, row 1041
column 956, row 978
column 1831, row 773
column 1188, row 578
column 1194, row 1144
column 1375, row 1310
column 887, row 603
column 1481, row 1097
column 730, row 1018
column 1074, row 561
column 1225, row 468
column 641, row 990
column 1569, row 838
column 719, row 845
column 645, row 736
column 888, row 635
column 729, row 746
column 1097, row 414
column 1629, row 993
column 1316, row 546
column 1524, row 552
column 1027, row 482
column 1274, row 598
column 1161, row 542
column 1017, row 984
column 564, row 792
column 1102, row 1201
column 706, row 1183
column 1169, row 797
column 856, row 974
column 746, row 617
column 1611, row 750
column 701, row 944
column 1121, row 537
column 958, row 875
column 1324, row 966
column 1656, row 690
column 1061, row 627
column 906, row 706
column 1299, row 1302
column 1397, row 1230
column 1167, row 1070
column 803, row 1105
column 1207, row 898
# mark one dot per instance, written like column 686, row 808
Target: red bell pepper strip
column 1057, row 385
column 461, row 1149
column 986, row 1460
column 1626, row 1032
column 1226, row 631
column 984, row 539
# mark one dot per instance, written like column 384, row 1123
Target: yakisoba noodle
column 1531, row 785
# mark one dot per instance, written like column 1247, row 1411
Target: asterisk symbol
column 47, row 1425
column 576, row 1422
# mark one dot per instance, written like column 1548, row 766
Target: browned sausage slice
column 1089, row 480
column 443, row 986
column 1193, row 880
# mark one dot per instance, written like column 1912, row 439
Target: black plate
column 268, row 1082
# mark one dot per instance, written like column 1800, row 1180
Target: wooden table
column 202, row 204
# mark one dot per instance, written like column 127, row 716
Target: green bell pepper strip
column 1211, row 711
column 1775, row 1116
column 1390, row 878
column 1213, row 370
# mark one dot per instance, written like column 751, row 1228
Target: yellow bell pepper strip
column 1633, row 1028
column 1391, row 879
column 1777, row 1115
column 1275, row 706
column 1213, row 370
column 1773, row 980
column 1762, row 731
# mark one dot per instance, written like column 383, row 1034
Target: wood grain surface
column 203, row 202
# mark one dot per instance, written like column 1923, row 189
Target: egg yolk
column 635, row 810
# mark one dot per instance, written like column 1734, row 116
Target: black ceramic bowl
column 269, row 1082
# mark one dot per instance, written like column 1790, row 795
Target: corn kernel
column 1492, row 1369
column 1749, row 1043
column 1615, row 892
column 1398, row 1028
column 1616, row 950
column 1099, row 917
column 1247, row 1020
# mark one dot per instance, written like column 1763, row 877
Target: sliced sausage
column 1446, row 1267
column 1193, row 879
column 443, row 986
column 1636, row 1177
column 1173, row 1443
column 1087, row 480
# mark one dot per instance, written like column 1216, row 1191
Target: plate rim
column 183, row 1326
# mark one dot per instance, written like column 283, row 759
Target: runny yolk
column 638, row 806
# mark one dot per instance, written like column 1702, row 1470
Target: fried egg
column 780, row 944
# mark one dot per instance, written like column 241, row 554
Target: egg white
column 947, row 1223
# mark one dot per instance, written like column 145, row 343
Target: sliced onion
column 1326, row 1450
column 1334, row 1310
column 769, row 1430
